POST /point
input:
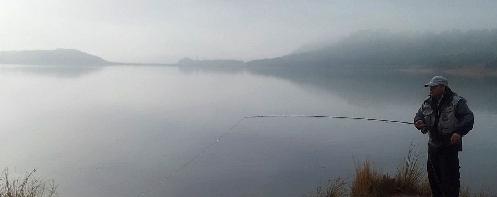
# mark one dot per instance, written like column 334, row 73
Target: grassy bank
column 410, row 179
column 28, row 185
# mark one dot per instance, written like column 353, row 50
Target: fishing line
column 196, row 156
column 194, row 159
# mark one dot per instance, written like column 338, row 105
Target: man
column 447, row 118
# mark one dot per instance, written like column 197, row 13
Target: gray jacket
column 445, row 117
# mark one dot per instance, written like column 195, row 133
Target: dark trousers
column 443, row 171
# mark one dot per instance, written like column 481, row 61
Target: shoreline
column 472, row 72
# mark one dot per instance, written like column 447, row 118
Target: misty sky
column 167, row 30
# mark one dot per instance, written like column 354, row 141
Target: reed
column 28, row 185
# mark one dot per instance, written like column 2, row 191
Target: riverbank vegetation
column 28, row 185
column 409, row 180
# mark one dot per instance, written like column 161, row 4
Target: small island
column 210, row 63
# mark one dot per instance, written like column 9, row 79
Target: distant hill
column 50, row 57
column 381, row 49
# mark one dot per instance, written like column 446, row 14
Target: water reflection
column 53, row 71
column 121, row 131
column 372, row 87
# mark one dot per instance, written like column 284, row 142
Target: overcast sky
column 167, row 30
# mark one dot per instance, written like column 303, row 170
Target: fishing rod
column 328, row 116
column 194, row 159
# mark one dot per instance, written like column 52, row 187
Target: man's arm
column 465, row 118
column 419, row 115
column 419, row 120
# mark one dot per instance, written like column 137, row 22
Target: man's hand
column 419, row 124
column 455, row 138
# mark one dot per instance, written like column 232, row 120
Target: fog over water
column 166, row 31
column 131, row 131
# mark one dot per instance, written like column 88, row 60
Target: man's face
column 437, row 91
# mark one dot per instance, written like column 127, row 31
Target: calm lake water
column 165, row 131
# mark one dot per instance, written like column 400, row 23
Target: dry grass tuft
column 335, row 188
column 370, row 182
column 27, row 186
column 409, row 181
